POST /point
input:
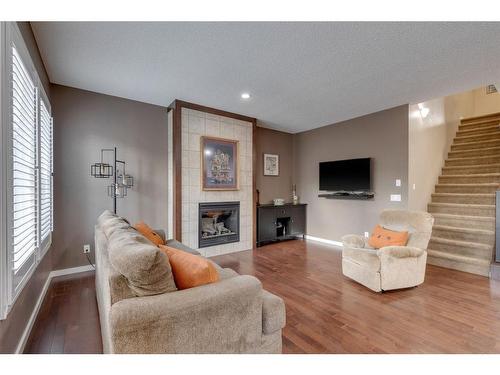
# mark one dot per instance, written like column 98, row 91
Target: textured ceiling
column 300, row 75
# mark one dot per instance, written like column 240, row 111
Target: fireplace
column 219, row 223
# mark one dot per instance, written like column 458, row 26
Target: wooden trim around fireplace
column 177, row 106
column 177, row 166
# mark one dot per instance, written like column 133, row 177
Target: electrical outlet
column 367, row 234
column 395, row 197
column 86, row 249
column 398, row 182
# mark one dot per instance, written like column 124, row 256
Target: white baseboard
column 336, row 244
column 36, row 309
column 69, row 271
column 31, row 321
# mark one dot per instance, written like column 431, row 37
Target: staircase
column 463, row 205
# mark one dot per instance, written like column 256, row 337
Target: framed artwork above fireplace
column 219, row 164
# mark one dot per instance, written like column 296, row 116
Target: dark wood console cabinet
column 276, row 223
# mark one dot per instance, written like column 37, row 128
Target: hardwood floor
column 68, row 321
column 452, row 312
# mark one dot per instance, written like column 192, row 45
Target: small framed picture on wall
column 271, row 165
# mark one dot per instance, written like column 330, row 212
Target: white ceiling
column 300, row 75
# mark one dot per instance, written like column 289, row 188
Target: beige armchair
column 391, row 267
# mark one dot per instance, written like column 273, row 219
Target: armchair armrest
column 400, row 251
column 222, row 317
column 353, row 240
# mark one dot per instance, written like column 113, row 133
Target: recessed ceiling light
column 245, row 95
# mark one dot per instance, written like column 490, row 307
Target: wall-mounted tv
column 345, row 175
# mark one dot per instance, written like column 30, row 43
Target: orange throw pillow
column 382, row 237
column 190, row 270
column 149, row 233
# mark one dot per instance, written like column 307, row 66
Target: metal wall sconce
column 124, row 178
column 122, row 181
column 101, row 169
column 117, row 191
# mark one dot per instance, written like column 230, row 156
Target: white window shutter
column 46, row 156
column 24, row 200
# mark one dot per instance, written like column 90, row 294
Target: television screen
column 345, row 175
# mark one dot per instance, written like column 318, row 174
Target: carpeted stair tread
column 462, row 209
column 479, row 222
column 458, row 243
column 461, row 247
column 472, row 169
column 468, row 230
column 475, row 144
column 444, row 216
column 463, row 198
column 487, row 150
column 477, row 175
column 486, row 129
column 464, row 205
column 478, row 125
column 459, row 195
column 489, row 116
column 475, row 235
column 472, row 160
column 475, row 188
column 458, row 262
column 470, row 178
column 492, row 184
column 462, row 258
column 477, row 137
column 475, row 152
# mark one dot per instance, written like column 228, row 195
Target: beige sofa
column 391, row 267
column 142, row 312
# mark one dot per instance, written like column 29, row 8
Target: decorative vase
column 295, row 198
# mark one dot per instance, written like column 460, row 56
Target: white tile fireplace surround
column 195, row 124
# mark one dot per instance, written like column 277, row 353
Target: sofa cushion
column 146, row 268
column 225, row 273
column 190, row 270
column 109, row 222
column 149, row 233
column 105, row 216
column 382, row 237
column 180, row 246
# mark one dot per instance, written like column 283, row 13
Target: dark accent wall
column 12, row 328
column 382, row 136
column 274, row 142
column 84, row 123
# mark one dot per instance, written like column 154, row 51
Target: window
column 27, row 206
column 46, row 190
column 23, row 229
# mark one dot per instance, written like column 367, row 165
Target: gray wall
column 382, row 136
column 29, row 39
column 85, row 122
column 13, row 326
column 274, row 142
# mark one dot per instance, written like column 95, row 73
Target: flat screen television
column 345, row 175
